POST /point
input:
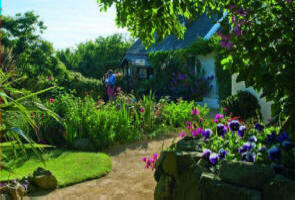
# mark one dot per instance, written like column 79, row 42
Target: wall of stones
column 184, row 175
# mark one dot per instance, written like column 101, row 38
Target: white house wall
column 208, row 64
column 265, row 106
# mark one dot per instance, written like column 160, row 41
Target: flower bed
column 225, row 158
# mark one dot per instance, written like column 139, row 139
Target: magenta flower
column 218, row 117
column 195, row 111
column 182, row 134
column 51, row 100
column 189, row 125
column 142, row 110
column 155, row 156
column 143, row 159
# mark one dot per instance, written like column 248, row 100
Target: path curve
column 127, row 180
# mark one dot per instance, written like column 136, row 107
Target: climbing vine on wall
column 174, row 66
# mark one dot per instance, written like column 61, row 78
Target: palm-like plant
column 15, row 115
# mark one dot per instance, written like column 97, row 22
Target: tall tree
column 94, row 58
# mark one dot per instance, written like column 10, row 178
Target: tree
column 258, row 39
column 94, row 58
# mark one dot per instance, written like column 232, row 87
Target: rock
column 186, row 160
column 188, row 185
column 246, row 174
column 212, row 188
column 83, row 144
column 280, row 188
column 169, row 165
column 164, row 188
column 44, row 179
column 13, row 191
column 203, row 165
column 188, row 144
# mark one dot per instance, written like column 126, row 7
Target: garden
column 58, row 127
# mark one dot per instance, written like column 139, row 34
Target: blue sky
column 68, row 21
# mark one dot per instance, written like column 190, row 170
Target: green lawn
column 69, row 167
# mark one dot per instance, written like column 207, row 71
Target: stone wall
column 183, row 175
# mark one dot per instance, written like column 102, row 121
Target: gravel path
column 127, row 180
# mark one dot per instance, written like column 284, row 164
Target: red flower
column 51, row 100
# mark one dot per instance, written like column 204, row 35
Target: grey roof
column 197, row 29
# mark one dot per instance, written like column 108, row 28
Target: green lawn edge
column 69, row 167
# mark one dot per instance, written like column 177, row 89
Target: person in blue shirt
column 111, row 81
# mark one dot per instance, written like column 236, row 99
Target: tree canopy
column 257, row 38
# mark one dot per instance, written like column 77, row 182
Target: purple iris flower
column 271, row 139
column 213, row 158
column 234, row 125
column 241, row 131
column 282, row 137
column 259, row 127
column 287, row 145
column 249, row 157
column 206, row 153
column 221, row 130
column 246, row 147
column 180, row 77
column 274, row 154
column 253, row 139
column 206, row 133
column 262, row 149
column 221, row 154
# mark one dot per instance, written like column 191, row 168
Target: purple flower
column 189, row 125
column 195, row 111
column 231, row 6
column 228, row 45
column 271, row 139
column 259, row 127
column 274, row 154
column 249, row 157
column 206, row 133
column 222, row 153
column 262, row 149
column 234, row 125
column 143, row 159
column 282, row 137
column 180, row 77
column 241, row 131
column 253, row 139
column 182, row 134
column 287, row 145
column 221, row 130
column 246, row 147
column 233, row 19
column 213, row 158
column 206, row 153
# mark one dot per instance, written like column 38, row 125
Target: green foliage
column 94, row 58
column 35, row 58
column 242, row 104
column 64, row 165
column 256, row 36
column 105, row 124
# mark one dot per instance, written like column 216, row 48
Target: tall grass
column 106, row 124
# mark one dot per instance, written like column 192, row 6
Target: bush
column 104, row 124
column 242, row 104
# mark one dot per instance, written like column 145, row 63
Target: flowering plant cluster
column 227, row 137
column 150, row 162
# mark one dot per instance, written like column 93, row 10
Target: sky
column 68, row 22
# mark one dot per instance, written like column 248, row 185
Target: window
column 142, row 73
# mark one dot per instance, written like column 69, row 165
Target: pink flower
column 51, row 100
column 189, row 125
column 182, row 134
column 118, row 89
column 194, row 132
column 225, row 109
column 218, row 117
column 142, row 110
column 195, row 111
column 143, row 159
column 155, row 156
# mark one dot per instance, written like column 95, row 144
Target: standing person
column 111, row 81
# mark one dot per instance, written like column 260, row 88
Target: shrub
column 105, row 124
column 242, row 104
